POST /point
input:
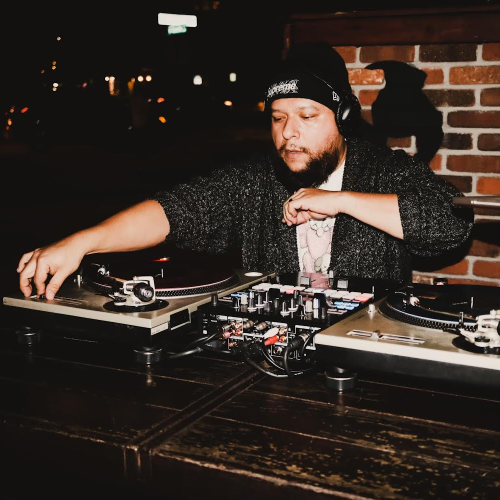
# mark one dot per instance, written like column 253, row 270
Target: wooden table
column 83, row 420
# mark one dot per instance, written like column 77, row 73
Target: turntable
column 441, row 332
column 133, row 301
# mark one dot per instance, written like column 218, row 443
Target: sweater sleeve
column 203, row 212
column 431, row 222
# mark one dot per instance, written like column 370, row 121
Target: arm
column 141, row 226
column 377, row 210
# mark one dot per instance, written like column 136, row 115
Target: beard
column 316, row 171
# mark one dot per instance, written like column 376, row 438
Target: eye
column 276, row 119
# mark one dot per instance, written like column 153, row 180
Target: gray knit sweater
column 241, row 205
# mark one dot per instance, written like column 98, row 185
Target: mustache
column 282, row 150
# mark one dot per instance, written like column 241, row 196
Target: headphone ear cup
column 348, row 115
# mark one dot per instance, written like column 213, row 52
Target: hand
column 311, row 203
column 53, row 263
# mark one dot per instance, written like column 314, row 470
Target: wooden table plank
column 308, row 464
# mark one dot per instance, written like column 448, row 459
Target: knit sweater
column 240, row 205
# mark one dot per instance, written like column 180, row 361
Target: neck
column 342, row 153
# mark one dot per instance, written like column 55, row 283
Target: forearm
column 377, row 210
column 141, row 226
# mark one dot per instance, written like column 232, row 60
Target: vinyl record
column 172, row 278
column 441, row 306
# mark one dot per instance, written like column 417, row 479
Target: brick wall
column 462, row 81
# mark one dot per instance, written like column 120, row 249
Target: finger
column 25, row 278
column 54, row 284
column 24, row 260
column 286, row 212
column 303, row 217
column 41, row 275
column 288, row 217
column 25, row 286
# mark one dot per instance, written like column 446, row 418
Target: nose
column 290, row 129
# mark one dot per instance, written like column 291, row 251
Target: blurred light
column 160, row 99
column 84, row 85
column 53, row 67
column 9, row 122
column 58, row 38
column 197, row 80
column 176, row 30
column 177, row 20
column 228, row 103
column 54, row 63
column 260, row 105
column 149, row 78
column 55, row 84
column 24, row 110
column 107, row 78
column 162, row 119
column 232, row 77
column 140, row 78
column 111, row 85
column 42, row 72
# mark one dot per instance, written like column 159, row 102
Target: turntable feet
column 28, row 335
column 340, row 379
column 147, row 355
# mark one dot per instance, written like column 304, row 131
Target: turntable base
column 419, row 340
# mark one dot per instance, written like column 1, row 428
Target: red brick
column 366, row 76
column 348, row 53
column 367, row 97
column 491, row 51
column 450, row 97
column 448, row 52
column 462, row 182
column 399, row 142
column 436, row 162
column 458, row 281
column 488, row 185
column 434, row 76
column 474, row 119
column 474, row 163
column 474, row 75
column 488, row 269
column 461, row 267
column 404, row 53
column 490, row 97
column 488, row 142
column 456, row 141
column 483, row 249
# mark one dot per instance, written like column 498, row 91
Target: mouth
column 293, row 153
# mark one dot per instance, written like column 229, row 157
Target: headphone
column 348, row 112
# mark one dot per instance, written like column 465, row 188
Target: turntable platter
column 441, row 306
column 172, row 278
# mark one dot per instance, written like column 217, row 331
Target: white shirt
column 314, row 237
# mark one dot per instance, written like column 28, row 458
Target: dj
column 325, row 199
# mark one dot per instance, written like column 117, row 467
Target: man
column 324, row 200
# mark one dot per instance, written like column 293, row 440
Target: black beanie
column 313, row 71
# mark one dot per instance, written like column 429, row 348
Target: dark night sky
column 244, row 35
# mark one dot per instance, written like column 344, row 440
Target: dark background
column 76, row 157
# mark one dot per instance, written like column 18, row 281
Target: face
column 303, row 130
column 308, row 143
